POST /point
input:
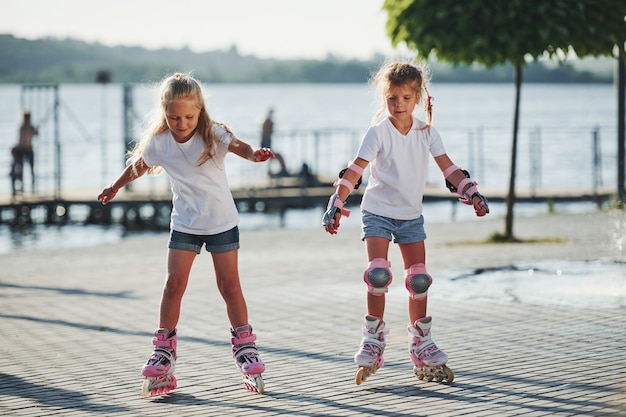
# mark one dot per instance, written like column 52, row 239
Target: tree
column 507, row 31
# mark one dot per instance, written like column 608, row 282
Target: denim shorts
column 402, row 231
column 221, row 242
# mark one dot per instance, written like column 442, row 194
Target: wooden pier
column 142, row 209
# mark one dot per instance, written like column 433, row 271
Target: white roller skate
column 429, row 361
column 159, row 370
column 247, row 358
column 369, row 358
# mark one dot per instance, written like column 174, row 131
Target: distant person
column 306, row 176
column 185, row 142
column 23, row 152
column 16, row 174
column 267, row 130
column 397, row 149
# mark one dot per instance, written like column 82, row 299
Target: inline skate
column 369, row 358
column 247, row 358
column 159, row 369
column 429, row 361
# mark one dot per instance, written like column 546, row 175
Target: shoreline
column 452, row 245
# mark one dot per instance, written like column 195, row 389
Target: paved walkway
column 77, row 327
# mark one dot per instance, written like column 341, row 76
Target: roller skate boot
column 247, row 358
column 429, row 361
column 159, row 369
column 369, row 358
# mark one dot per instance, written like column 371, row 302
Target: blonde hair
column 175, row 87
column 395, row 74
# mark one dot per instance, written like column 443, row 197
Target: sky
column 280, row 29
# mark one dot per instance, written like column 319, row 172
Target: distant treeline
column 52, row 60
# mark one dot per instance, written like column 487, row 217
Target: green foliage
column 72, row 61
column 67, row 60
column 506, row 31
column 498, row 32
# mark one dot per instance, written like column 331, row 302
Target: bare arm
column 128, row 175
column 246, row 151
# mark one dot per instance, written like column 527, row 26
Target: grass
column 502, row 238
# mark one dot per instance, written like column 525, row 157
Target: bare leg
column 31, row 157
column 413, row 253
column 227, row 276
column 178, row 267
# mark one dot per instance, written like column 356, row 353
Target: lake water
column 321, row 125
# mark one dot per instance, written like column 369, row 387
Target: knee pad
column 417, row 281
column 378, row 276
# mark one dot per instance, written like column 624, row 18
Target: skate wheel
column 360, row 376
column 418, row 372
column 161, row 385
column 254, row 383
column 260, row 384
column 145, row 388
column 449, row 374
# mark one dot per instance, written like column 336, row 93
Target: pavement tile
column 78, row 325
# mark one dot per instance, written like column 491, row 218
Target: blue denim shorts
column 402, row 231
column 221, row 242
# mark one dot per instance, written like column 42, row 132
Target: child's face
column 182, row 116
column 400, row 102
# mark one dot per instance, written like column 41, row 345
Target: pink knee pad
column 417, row 280
column 378, row 276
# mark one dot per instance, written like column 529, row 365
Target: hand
column 333, row 226
column 332, row 217
column 107, row 195
column 263, row 154
column 481, row 206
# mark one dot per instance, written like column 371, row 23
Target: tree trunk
column 510, row 198
column 621, row 134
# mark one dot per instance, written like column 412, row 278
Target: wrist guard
column 335, row 205
column 467, row 194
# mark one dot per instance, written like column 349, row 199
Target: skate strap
column 382, row 330
column 245, row 351
column 167, row 343
column 371, row 341
column 245, row 340
column 158, row 353
column 427, row 344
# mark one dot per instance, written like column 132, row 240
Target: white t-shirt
column 398, row 168
column 202, row 201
